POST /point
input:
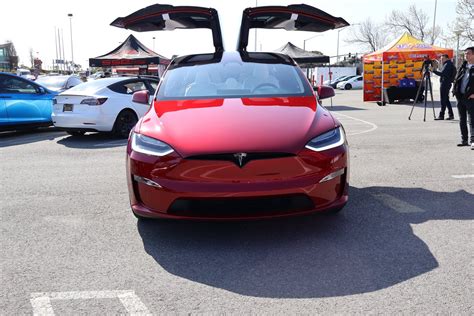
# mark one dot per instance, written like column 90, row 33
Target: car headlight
column 332, row 139
column 149, row 146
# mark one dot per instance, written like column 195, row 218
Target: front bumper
column 173, row 187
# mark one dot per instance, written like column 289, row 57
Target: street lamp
column 153, row 43
column 304, row 42
column 339, row 31
column 72, row 48
column 458, row 33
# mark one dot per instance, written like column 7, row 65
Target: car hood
column 198, row 127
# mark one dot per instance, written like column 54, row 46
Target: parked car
column 334, row 82
column 25, row 73
column 356, row 82
column 103, row 105
column 59, row 83
column 235, row 134
column 24, row 103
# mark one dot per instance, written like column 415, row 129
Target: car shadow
column 342, row 108
column 21, row 137
column 93, row 141
column 367, row 247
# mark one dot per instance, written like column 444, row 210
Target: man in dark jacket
column 446, row 77
column 464, row 92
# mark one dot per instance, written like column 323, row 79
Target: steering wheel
column 266, row 84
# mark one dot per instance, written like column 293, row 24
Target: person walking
column 464, row 92
column 446, row 77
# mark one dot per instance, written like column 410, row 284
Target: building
column 8, row 57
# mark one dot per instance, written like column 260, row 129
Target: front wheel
column 124, row 123
column 348, row 86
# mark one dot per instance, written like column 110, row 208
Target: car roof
column 231, row 56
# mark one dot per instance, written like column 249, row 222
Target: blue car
column 23, row 103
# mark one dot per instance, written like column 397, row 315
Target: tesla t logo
column 240, row 158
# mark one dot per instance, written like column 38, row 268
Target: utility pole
column 72, row 48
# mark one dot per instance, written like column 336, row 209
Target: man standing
column 446, row 76
column 464, row 92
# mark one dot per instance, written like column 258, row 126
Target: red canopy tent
column 402, row 57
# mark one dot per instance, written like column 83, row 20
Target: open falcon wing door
column 165, row 17
column 295, row 17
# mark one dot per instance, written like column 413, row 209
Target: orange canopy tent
column 402, row 57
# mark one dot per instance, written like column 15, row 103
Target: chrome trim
column 332, row 175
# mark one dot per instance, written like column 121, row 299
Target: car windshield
column 233, row 79
column 53, row 83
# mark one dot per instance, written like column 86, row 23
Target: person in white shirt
column 464, row 91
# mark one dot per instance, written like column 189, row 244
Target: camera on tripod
column 427, row 65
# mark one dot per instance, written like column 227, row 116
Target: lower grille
column 245, row 207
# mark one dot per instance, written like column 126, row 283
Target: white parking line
column 371, row 129
column 397, row 204
column 41, row 302
column 463, row 176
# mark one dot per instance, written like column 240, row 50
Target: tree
column 415, row 22
column 368, row 35
column 464, row 24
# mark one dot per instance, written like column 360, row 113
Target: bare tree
column 368, row 35
column 464, row 24
column 415, row 21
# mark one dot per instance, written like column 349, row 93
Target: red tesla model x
column 235, row 134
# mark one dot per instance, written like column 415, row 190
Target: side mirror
column 325, row 92
column 142, row 97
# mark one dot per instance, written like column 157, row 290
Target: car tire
column 125, row 121
column 76, row 133
column 348, row 86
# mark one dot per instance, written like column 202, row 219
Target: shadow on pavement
column 342, row 108
column 14, row 138
column 93, row 141
column 369, row 246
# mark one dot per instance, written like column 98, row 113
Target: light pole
column 434, row 21
column 339, row 31
column 456, row 62
column 304, row 42
column 153, row 43
column 256, row 5
column 72, row 48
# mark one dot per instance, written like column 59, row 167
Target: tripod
column 426, row 82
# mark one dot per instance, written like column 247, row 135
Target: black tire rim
column 126, row 122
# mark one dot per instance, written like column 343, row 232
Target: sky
column 30, row 24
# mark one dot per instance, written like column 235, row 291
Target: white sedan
column 356, row 82
column 103, row 105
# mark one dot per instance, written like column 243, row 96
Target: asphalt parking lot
column 403, row 244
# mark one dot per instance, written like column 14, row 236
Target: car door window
column 132, row 87
column 14, row 85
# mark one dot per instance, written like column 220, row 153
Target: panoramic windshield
column 233, row 79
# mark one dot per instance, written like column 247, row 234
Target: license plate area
column 68, row 107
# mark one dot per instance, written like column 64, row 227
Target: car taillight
column 94, row 101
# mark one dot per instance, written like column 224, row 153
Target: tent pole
column 381, row 87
